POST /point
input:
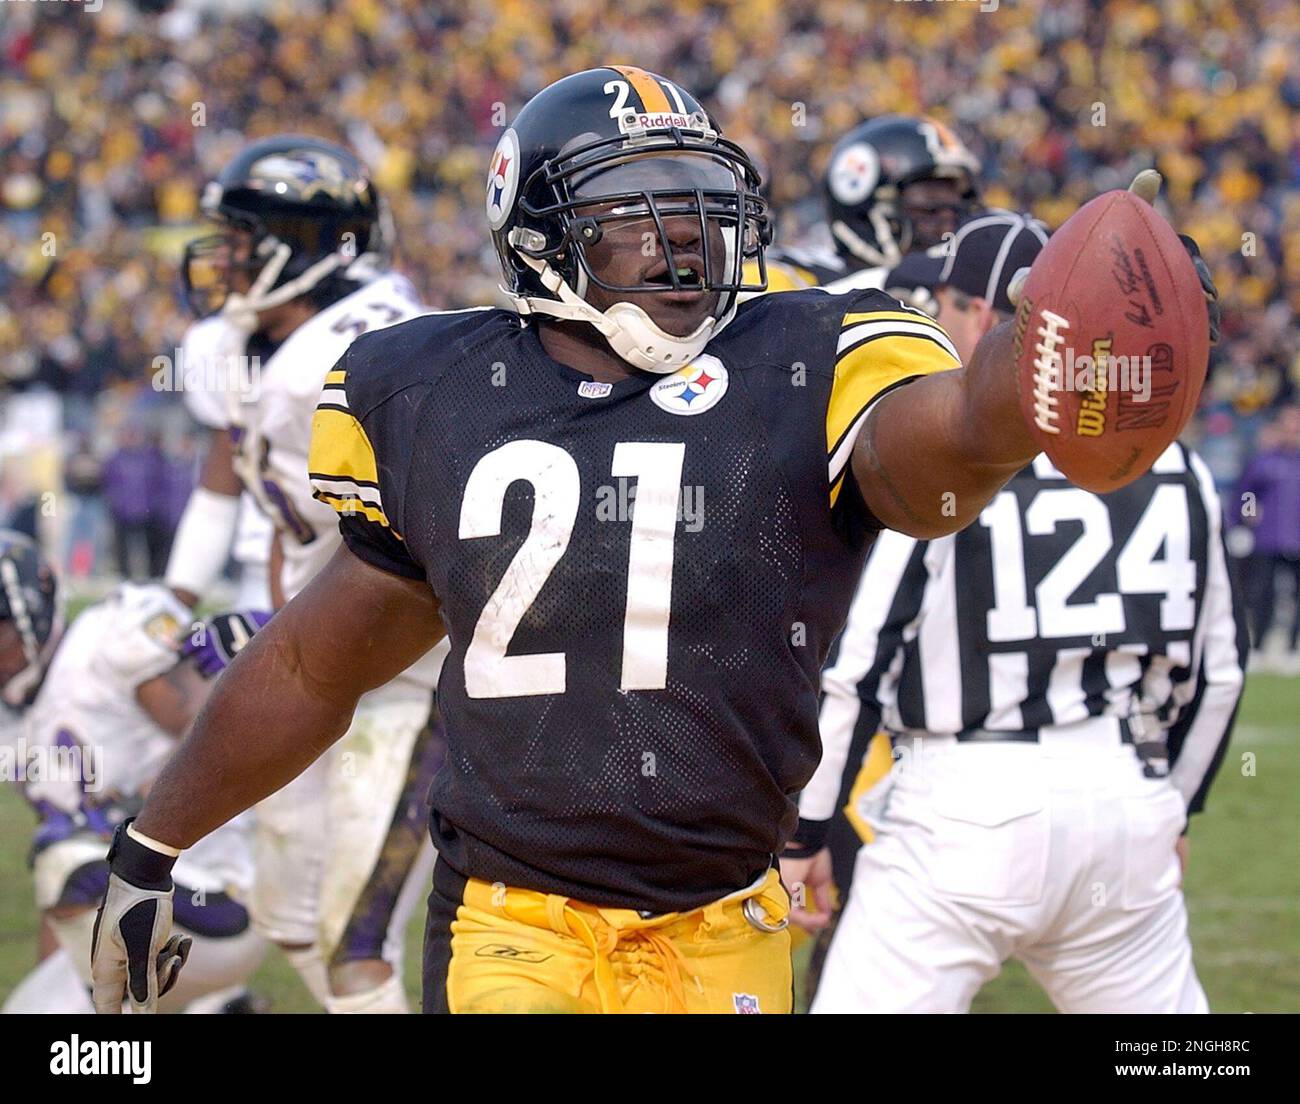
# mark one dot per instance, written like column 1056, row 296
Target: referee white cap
column 980, row 259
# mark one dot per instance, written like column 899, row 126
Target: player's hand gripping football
column 1146, row 185
column 131, row 953
column 1112, row 334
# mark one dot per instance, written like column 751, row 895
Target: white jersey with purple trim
column 200, row 371
column 87, row 699
column 87, row 704
column 208, row 398
column 273, row 432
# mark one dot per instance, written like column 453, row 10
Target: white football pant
column 1059, row 855
column 319, row 840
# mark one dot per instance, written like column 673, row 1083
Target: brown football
column 1112, row 342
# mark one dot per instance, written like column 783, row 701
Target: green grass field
column 1243, row 883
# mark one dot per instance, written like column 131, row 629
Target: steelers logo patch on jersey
column 503, row 179
column 854, row 173
column 693, row 389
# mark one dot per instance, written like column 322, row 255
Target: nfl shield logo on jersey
column 746, row 1004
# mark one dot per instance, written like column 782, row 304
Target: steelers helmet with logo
column 31, row 604
column 615, row 145
column 869, row 168
column 312, row 212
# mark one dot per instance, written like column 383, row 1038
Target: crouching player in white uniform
column 100, row 706
column 296, row 272
column 1059, row 680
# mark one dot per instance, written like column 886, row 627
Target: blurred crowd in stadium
column 112, row 121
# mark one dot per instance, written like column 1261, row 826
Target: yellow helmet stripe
column 652, row 96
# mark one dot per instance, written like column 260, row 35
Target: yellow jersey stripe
column 340, row 448
column 878, row 362
column 335, row 376
column 352, row 507
column 341, row 451
column 838, row 485
column 864, row 372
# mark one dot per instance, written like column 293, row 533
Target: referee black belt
column 1093, row 731
column 1029, row 735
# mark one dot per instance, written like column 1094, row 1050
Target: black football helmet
column 316, row 222
column 30, row 599
column 613, row 145
column 869, row 168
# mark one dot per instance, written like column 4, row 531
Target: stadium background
column 112, row 120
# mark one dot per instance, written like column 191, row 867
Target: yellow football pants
column 500, row 949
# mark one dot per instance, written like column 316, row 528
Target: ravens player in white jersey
column 101, row 705
column 296, row 269
column 894, row 185
column 221, row 520
column 630, row 698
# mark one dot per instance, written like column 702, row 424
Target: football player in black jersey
column 630, row 696
column 894, row 185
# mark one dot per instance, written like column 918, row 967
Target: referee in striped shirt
column 1056, row 685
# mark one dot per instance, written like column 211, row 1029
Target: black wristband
column 141, row 866
column 809, row 838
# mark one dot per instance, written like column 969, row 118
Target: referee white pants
column 1059, row 855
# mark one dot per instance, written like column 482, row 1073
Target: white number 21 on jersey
column 657, row 468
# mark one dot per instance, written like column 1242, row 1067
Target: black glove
column 131, row 954
column 1146, row 185
column 1207, row 284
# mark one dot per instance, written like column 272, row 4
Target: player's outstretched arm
column 932, row 454
column 290, row 694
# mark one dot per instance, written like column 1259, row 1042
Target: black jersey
column 639, row 580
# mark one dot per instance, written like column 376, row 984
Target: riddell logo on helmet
column 655, row 120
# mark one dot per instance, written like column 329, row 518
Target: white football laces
column 1047, row 371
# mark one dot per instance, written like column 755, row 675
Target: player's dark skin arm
column 933, row 453
column 174, row 698
column 290, row 694
column 218, row 474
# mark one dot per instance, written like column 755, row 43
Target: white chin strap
column 886, row 257
column 627, row 328
column 242, row 310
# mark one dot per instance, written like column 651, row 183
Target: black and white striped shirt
column 1055, row 606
